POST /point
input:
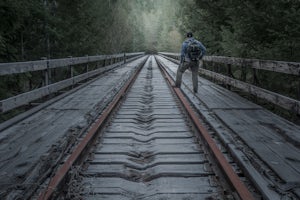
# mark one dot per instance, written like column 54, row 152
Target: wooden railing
column 109, row 62
column 291, row 68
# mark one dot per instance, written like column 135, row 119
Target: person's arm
column 203, row 49
column 183, row 50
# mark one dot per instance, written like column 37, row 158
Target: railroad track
column 148, row 144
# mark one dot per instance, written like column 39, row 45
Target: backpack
column 193, row 50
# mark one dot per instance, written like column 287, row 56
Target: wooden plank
column 120, row 55
column 25, row 98
column 262, row 132
column 169, row 54
column 80, row 60
column 270, row 65
column 216, row 97
column 96, row 58
column 21, row 67
column 35, row 109
column 22, row 99
column 55, row 63
column 134, row 54
column 278, row 99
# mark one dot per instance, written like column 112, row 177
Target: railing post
column 71, row 68
column 111, row 60
column 243, row 73
column 255, row 79
column 87, row 64
column 124, row 58
column 204, row 64
column 97, row 64
column 229, row 73
column 298, row 86
column 46, row 72
column 104, row 62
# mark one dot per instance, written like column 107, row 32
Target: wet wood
column 21, row 67
column 28, row 141
column 269, row 65
column 270, row 138
column 280, row 100
column 276, row 66
column 25, row 98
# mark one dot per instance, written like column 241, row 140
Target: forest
column 31, row 29
column 36, row 29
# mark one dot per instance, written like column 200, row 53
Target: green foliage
column 33, row 29
column 251, row 28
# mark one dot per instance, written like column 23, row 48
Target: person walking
column 191, row 52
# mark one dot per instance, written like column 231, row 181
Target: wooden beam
column 21, row 67
column 25, row 98
column 277, row 99
column 269, row 65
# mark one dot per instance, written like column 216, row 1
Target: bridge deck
column 47, row 132
column 274, row 140
column 50, row 131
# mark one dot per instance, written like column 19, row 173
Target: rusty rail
column 237, row 184
column 63, row 170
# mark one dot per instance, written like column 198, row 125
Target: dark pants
column 194, row 66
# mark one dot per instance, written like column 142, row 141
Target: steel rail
column 237, row 184
column 63, row 170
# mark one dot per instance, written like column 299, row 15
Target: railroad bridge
column 121, row 130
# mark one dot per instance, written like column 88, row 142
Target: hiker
column 191, row 52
